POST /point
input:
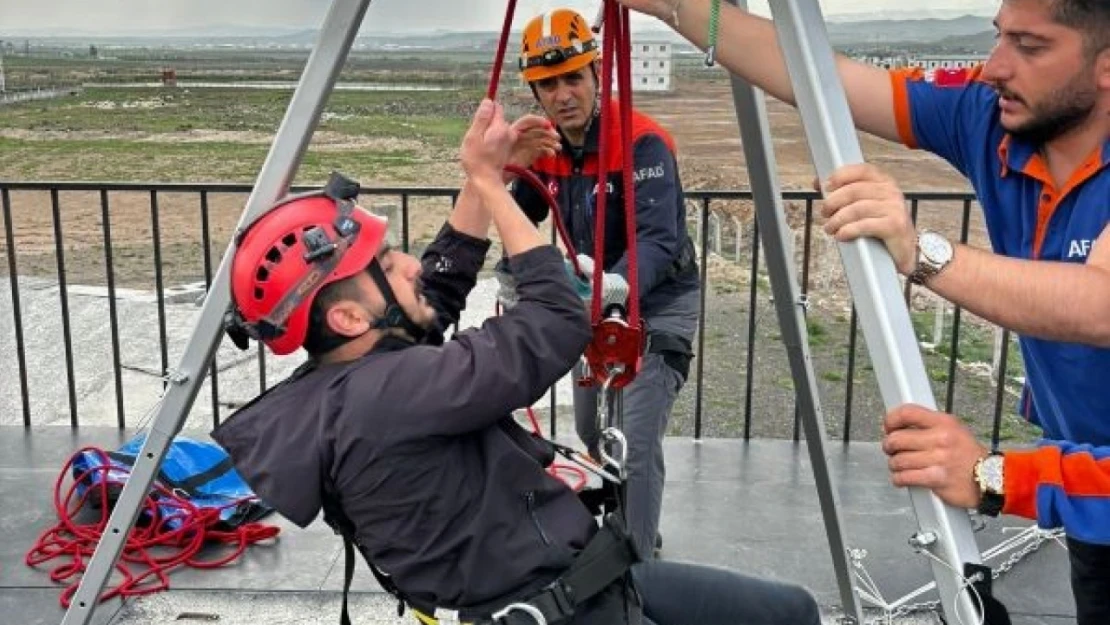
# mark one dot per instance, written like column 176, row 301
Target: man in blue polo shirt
column 1031, row 131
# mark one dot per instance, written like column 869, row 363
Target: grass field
column 220, row 134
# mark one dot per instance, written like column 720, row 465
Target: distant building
column 945, row 61
column 885, row 61
column 652, row 66
column 169, row 77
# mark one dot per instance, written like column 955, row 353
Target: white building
column 652, row 66
column 946, row 61
column 883, row 61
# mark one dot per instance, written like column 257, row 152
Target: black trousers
column 688, row 594
column 673, row 593
column 1090, row 582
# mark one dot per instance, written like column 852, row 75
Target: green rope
column 714, row 19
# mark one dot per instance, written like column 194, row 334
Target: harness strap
column 606, row 559
column 337, row 520
column 190, row 484
column 348, row 575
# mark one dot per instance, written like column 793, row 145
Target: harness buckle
column 530, row 610
column 447, row 617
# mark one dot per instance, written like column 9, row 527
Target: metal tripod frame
column 334, row 41
column 831, row 134
column 884, row 317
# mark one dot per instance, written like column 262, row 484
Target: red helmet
column 290, row 253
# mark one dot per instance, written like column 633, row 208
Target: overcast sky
column 115, row 16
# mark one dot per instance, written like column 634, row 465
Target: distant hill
column 963, row 30
column 979, row 42
column 917, row 31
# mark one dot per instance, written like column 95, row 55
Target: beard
column 1059, row 113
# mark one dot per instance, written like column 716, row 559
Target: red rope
column 558, row 469
column 499, row 57
column 624, row 78
column 167, row 540
column 603, row 160
column 616, row 48
column 553, row 207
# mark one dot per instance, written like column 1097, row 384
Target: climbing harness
column 199, row 500
column 604, row 560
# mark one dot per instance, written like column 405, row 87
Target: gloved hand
column 614, row 288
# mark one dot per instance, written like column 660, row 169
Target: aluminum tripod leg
column 755, row 132
column 293, row 136
column 875, row 289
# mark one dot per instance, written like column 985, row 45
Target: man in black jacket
column 407, row 441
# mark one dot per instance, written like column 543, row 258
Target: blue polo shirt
column 1067, row 388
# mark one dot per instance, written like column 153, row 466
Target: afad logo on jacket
column 609, row 189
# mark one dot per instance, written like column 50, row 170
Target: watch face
column 991, row 473
column 935, row 248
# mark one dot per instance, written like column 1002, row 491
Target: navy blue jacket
column 667, row 265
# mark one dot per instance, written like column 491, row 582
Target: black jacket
column 446, row 492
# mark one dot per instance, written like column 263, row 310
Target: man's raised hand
column 488, row 142
column 535, row 137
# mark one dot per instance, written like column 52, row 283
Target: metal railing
column 708, row 208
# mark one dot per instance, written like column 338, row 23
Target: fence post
column 738, row 229
column 938, row 321
column 715, row 221
column 996, row 362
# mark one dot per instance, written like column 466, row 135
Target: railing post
column 113, row 317
column 63, row 295
column 17, row 313
column 738, row 228
column 703, row 241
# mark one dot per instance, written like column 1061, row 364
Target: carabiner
column 613, row 435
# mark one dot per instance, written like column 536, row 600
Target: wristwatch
column 934, row 252
column 989, row 476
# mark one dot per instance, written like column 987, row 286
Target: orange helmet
column 286, row 256
column 555, row 43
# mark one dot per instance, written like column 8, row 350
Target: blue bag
column 197, row 472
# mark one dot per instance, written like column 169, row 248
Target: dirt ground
column 701, row 118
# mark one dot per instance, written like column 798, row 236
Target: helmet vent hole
column 289, row 240
column 274, row 255
column 262, row 274
column 259, row 293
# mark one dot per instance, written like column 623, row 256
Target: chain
column 1039, row 538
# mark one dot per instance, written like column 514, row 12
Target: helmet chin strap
column 394, row 316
